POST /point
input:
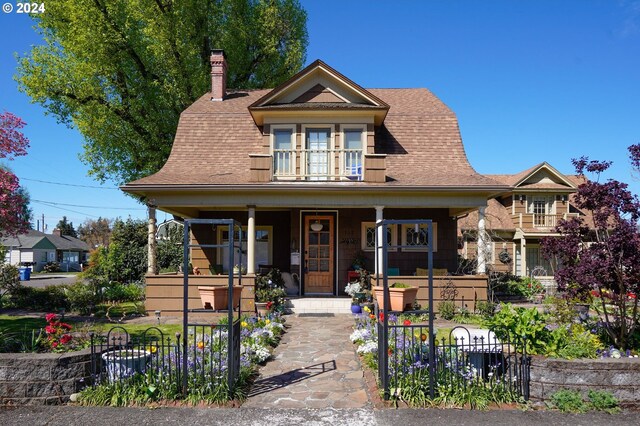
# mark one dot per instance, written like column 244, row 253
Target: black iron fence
column 465, row 359
column 118, row 356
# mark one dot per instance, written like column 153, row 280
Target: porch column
column 380, row 238
column 482, row 244
column 151, row 240
column 523, row 257
column 251, row 241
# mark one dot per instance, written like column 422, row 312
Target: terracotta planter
column 401, row 298
column 217, row 297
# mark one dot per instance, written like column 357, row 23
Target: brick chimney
column 218, row 75
column 57, row 232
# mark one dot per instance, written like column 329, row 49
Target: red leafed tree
column 608, row 266
column 13, row 201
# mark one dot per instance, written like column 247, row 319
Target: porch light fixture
column 316, row 226
column 564, row 198
column 521, row 198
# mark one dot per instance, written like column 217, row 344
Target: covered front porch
column 315, row 249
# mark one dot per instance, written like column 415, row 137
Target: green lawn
column 23, row 325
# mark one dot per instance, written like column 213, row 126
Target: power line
column 51, row 203
column 67, row 184
column 67, row 210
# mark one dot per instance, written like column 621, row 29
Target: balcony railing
column 536, row 220
column 318, row 164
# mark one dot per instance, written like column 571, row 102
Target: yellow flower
column 153, row 349
column 244, row 324
column 201, row 345
column 366, row 309
column 267, row 321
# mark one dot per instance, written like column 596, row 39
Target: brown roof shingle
column 420, row 136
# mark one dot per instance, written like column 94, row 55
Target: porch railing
column 318, row 164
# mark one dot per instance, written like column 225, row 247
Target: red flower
column 50, row 329
column 407, row 322
column 64, row 325
column 54, row 344
column 50, row 317
column 631, row 295
column 381, row 316
column 66, row 338
column 595, row 293
column 269, row 305
column 372, row 316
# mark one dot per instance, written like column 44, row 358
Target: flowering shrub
column 58, row 334
column 207, row 369
column 457, row 381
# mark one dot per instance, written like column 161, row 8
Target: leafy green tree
column 169, row 252
column 127, row 253
column 122, row 71
column 66, row 228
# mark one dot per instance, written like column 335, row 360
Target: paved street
column 96, row 416
column 41, row 281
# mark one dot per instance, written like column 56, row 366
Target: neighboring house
column 319, row 150
column 516, row 221
column 36, row 248
column 165, row 228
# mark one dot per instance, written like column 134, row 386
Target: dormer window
column 323, row 153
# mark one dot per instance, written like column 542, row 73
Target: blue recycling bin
column 25, row 274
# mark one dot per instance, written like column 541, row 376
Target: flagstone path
column 315, row 366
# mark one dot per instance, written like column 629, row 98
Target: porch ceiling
column 189, row 202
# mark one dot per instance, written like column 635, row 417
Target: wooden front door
column 319, row 254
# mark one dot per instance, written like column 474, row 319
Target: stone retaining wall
column 43, row 379
column 621, row 377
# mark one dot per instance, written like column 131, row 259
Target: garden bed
column 620, row 377
column 42, row 378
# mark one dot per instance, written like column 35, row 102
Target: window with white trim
column 368, row 240
column 263, row 247
column 352, row 158
column 416, row 237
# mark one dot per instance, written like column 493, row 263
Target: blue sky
column 530, row 81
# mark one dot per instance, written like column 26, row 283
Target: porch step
column 334, row 305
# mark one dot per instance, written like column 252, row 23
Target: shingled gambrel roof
column 420, row 136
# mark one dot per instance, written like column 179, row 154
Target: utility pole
column 44, row 228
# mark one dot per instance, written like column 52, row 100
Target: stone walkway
column 315, row 366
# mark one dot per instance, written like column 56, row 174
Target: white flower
column 368, row 348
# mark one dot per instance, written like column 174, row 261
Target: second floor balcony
column 540, row 221
column 318, row 165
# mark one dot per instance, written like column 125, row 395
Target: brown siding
column 165, row 292
column 470, row 289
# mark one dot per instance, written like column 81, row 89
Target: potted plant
column 358, row 261
column 217, row 297
column 121, row 363
column 354, row 289
column 401, row 296
column 270, row 292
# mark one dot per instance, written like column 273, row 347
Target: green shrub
column 573, row 341
column 51, row 298
column 81, row 298
column 9, row 279
column 52, row 267
column 447, row 309
column 117, row 292
column 569, row 401
column 485, row 308
column 520, row 323
column 604, row 401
